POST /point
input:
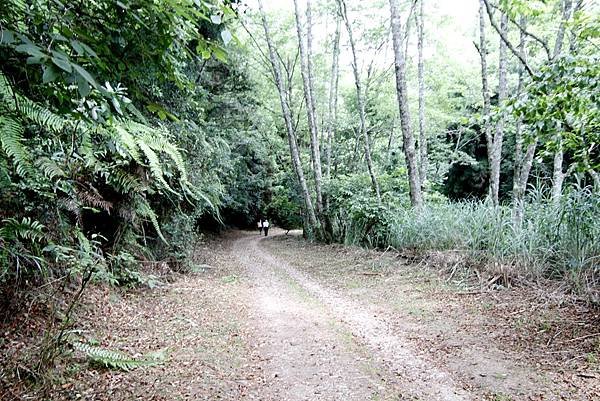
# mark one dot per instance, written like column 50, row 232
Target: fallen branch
column 581, row 338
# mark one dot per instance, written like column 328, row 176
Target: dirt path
column 278, row 318
column 305, row 324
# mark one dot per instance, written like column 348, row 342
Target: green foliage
column 284, row 209
column 562, row 105
column 113, row 359
column 553, row 241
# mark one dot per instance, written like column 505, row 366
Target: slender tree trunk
column 333, row 92
column 401, row 91
column 496, row 156
column 391, row 143
column 287, row 116
column 558, row 175
column 360, row 101
column 573, row 37
column 567, row 7
column 523, row 162
column 305, row 69
column 485, row 89
column 421, row 78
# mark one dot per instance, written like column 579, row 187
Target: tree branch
column 530, row 34
column 505, row 39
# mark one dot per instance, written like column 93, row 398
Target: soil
column 278, row 318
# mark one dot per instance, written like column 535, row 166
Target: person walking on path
column 265, row 226
column 260, row 226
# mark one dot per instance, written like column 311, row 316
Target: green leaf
column 220, row 54
column 30, row 49
column 88, row 50
column 50, row 74
column 83, row 86
column 77, row 47
column 35, row 60
column 6, row 37
column 63, row 64
column 86, row 75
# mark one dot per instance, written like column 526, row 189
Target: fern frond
column 124, row 181
column 11, row 138
column 50, row 168
column 155, row 165
column 144, row 210
column 26, row 229
column 113, row 359
column 21, row 105
column 91, row 197
column 128, row 142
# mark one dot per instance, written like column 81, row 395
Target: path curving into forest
column 323, row 345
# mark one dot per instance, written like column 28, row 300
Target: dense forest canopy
column 127, row 128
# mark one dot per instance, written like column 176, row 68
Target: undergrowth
column 557, row 241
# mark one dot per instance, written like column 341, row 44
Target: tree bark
column 401, row 91
column 558, row 175
column 524, row 162
column 360, row 101
column 423, row 158
column 333, row 93
column 287, row 116
column 485, row 89
column 305, row 69
column 496, row 151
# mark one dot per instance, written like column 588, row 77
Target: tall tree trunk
column 485, row 89
column 333, row 93
column 523, row 162
column 360, row 101
column 401, row 91
column 496, row 151
column 558, row 175
column 287, row 116
column 423, row 159
column 305, row 69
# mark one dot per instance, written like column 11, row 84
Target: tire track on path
column 308, row 357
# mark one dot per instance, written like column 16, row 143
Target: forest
column 141, row 138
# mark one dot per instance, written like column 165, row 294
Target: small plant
column 113, row 359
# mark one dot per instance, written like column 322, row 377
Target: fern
column 118, row 360
column 50, row 168
column 124, row 181
column 144, row 210
column 27, row 229
column 40, row 115
column 154, row 165
column 128, row 142
column 91, row 197
column 11, row 138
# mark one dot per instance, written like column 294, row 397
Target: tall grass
column 553, row 241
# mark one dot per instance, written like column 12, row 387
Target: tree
column 309, row 98
column 333, row 97
column 401, row 91
column 287, row 116
column 522, row 161
column 423, row 158
column 360, row 100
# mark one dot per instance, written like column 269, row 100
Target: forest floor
column 278, row 318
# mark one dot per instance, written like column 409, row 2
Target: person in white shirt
column 265, row 226
column 260, row 226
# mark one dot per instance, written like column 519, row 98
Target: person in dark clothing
column 265, row 225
